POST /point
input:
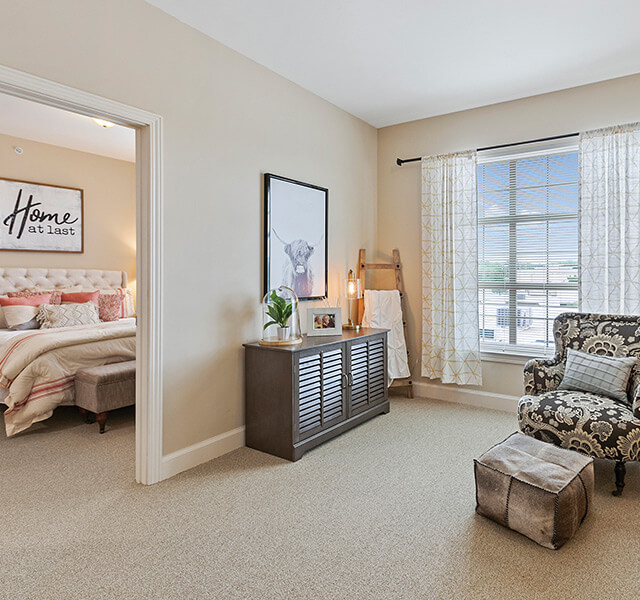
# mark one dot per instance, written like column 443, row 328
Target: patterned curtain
column 610, row 220
column 450, row 345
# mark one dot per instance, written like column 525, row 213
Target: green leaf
column 269, row 324
column 287, row 312
column 273, row 312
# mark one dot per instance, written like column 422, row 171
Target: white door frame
column 149, row 260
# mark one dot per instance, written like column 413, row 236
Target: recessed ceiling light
column 103, row 123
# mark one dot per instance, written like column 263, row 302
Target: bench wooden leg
column 102, row 419
column 89, row 417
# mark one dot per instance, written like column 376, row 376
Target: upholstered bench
column 534, row 488
column 104, row 388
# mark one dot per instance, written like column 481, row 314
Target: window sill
column 510, row 357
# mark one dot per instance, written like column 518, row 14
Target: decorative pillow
column 20, row 317
column 67, row 315
column 35, row 300
column 81, row 297
column 110, row 306
column 128, row 305
column 3, row 321
column 604, row 375
column 56, row 295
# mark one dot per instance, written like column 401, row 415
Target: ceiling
column 389, row 62
column 32, row 121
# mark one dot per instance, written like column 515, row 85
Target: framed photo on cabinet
column 324, row 321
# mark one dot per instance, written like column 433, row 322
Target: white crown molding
column 149, row 384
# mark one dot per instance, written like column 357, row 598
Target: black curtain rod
column 401, row 161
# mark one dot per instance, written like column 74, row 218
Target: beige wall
column 109, row 194
column 588, row 107
column 227, row 120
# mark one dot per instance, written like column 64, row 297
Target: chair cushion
column 594, row 425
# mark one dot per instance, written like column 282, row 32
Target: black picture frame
column 295, row 243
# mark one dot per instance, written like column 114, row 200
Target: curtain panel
column 610, row 220
column 450, row 344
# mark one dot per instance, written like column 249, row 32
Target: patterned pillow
column 603, row 375
column 67, row 315
column 110, row 306
column 128, row 307
column 56, row 295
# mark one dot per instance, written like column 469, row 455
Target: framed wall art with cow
column 295, row 239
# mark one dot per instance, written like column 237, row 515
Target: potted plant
column 279, row 310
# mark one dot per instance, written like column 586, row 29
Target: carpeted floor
column 385, row 511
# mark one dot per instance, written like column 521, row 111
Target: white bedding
column 6, row 335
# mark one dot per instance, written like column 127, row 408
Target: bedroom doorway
column 148, row 128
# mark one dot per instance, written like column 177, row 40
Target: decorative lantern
column 280, row 318
column 353, row 297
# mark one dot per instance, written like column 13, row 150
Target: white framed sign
column 40, row 218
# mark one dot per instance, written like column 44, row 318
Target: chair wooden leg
column 620, row 471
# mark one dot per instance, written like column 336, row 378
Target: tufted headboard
column 13, row 279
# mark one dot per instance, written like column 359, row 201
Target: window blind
column 528, row 267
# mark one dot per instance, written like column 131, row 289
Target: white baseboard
column 460, row 395
column 204, row 451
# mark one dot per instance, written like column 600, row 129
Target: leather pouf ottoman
column 534, row 488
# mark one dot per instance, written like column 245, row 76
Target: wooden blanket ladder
column 363, row 266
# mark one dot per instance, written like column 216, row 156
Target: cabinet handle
column 345, row 381
column 350, row 378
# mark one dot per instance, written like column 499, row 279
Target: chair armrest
column 636, row 401
column 542, row 375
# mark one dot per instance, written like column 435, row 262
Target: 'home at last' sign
column 39, row 217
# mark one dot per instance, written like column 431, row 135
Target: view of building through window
column 527, row 248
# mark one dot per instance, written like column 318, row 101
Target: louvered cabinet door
column 367, row 374
column 320, row 390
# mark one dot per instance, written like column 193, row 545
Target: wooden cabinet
column 297, row 397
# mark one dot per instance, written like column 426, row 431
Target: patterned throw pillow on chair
column 603, row 375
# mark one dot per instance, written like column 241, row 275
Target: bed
column 37, row 367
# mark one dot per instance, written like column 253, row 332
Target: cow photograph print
column 295, row 237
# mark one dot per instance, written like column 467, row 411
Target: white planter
column 284, row 333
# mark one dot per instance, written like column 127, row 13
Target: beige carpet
column 385, row 511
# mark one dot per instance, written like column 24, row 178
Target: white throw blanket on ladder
column 382, row 310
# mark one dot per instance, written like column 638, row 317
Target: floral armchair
column 595, row 425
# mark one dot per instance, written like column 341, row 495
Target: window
column 527, row 244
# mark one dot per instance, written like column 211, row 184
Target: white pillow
column 21, row 317
column 67, row 315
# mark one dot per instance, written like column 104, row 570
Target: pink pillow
column 110, row 306
column 56, row 295
column 81, row 297
column 36, row 300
